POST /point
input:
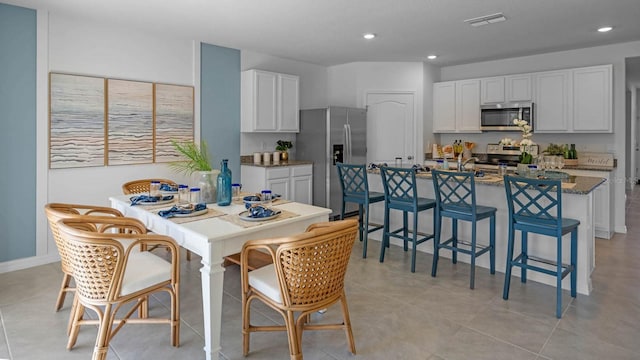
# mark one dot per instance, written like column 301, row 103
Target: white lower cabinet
column 601, row 202
column 291, row 182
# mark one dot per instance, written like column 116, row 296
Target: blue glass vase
column 223, row 196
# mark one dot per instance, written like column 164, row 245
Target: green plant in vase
column 197, row 160
column 284, row 146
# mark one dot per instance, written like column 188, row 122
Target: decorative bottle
column 573, row 153
column 224, row 184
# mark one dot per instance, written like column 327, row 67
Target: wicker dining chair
column 143, row 186
column 110, row 275
column 307, row 275
column 57, row 211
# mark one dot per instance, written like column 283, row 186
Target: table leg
column 212, row 275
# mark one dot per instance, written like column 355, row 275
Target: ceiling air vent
column 487, row 19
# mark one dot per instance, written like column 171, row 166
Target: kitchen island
column 577, row 203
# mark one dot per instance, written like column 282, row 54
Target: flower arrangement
column 525, row 143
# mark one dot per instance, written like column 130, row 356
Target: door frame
column 414, row 123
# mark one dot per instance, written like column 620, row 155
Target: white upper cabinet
column 468, row 106
column 592, row 99
column 456, row 106
column 492, row 90
column 552, row 106
column 270, row 102
column 519, row 88
column 575, row 100
column 444, row 106
column 506, row 89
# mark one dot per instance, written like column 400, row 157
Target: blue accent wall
column 18, row 134
column 220, row 104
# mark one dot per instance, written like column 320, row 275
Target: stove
column 507, row 154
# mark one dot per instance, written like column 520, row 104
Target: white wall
column 610, row 54
column 90, row 48
column 348, row 84
column 313, row 95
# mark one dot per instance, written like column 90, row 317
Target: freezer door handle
column 347, row 130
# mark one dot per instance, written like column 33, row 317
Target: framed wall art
column 76, row 121
column 173, row 119
column 129, row 122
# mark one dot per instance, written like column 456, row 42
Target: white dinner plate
column 246, row 215
column 193, row 213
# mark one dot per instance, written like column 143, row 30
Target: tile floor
column 395, row 314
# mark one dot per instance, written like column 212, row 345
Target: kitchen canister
column 276, row 157
column 266, row 158
column 257, row 157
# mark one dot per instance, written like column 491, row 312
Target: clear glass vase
column 207, row 185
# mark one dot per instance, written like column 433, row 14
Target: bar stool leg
column 492, row 243
column 361, row 223
column 507, row 272
column 405, row 229
column 454, row 237
column 574, row 262
column 365, row 231
column 525, row 256
column 385, row 234
column 415, row 242
column 473, row 255
column 559, row 279
column 437, row 225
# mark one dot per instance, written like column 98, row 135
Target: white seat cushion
column 144, row 269
column 265, row 280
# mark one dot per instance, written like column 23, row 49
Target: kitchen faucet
column 461, row 164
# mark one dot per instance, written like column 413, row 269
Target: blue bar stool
column 400, row 193
column 456, row 199
column 535, row 206
column 355, row 189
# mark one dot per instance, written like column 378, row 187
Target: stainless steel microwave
column 499, row 117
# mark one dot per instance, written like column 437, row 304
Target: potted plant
column 197, row 161
column 284, row 146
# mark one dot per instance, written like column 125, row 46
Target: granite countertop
column 574, row 185
column 280, row 164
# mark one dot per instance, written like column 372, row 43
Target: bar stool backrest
column 353, row 179
column 400, row 187
column 455, row 191
column 534, row 201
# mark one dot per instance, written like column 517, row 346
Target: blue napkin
column 177, row 210
column 167, row 187
column 261, row 212
column 136, row 200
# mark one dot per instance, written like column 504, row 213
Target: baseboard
column 29, row 262
column 621, row 229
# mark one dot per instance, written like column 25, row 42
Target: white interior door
column 391, row 127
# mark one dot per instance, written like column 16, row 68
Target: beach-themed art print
column 76, row 121
column 174, row 119
column 129, row 122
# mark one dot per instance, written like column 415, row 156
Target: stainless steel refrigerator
column 327, row 136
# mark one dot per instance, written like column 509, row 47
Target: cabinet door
column 302, row 189
column 592, row 98
column 468, row 105
column 261, row 108
column 288, row 103
column 444, row 106
column 279, row 186
column 518, row 88
column 492, row 90
column 552, row 111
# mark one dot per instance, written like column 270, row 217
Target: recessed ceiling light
column 605, row 29
column 487, row 19
column 369, row 36
column 431, row 57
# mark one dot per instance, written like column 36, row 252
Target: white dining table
column 214, row 238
